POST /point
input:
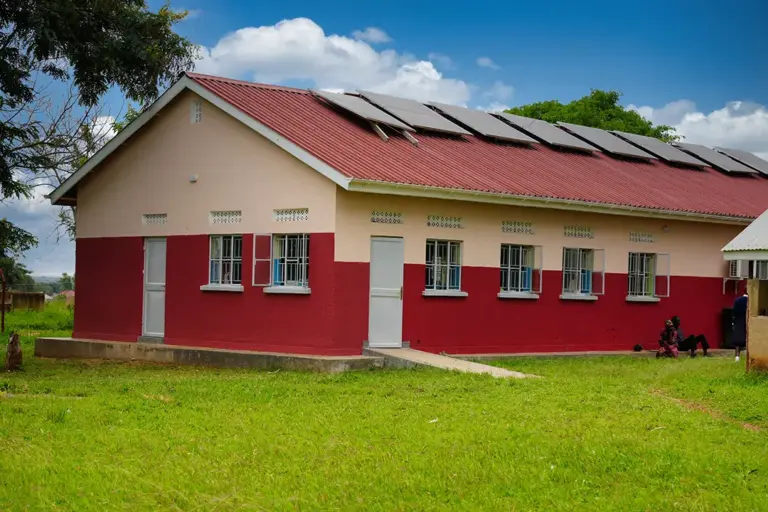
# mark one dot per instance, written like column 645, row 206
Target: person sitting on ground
column 689, row 343
column 667, row 341
column 740, row 324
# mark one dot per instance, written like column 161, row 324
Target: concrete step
column 407, row 357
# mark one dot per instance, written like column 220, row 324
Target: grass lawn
column 594, row 434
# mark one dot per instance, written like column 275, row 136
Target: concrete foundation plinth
column 67, row 348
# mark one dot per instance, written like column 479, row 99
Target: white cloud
column 441, row 60
column 495, row 107
column 500, row 91
column 738, row 125
column 486, row 62
column 103, row 128
column 372, row 35
column 299, row 50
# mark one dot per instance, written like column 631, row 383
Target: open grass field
column 615, row 433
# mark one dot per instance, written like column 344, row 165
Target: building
column 68, row 296
column 751, row 247
column 244, row 216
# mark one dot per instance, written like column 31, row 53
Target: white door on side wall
column 153, row 322
column 385, row 310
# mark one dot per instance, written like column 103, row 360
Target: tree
column 94, row 43
column 67, row 282
column 600, row 109
column 130, row 115
column 13, row 243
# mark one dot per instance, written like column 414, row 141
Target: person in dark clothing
column 740, row 325
column 689, row 343
column 667, row 341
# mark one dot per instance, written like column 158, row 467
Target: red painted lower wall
column 109, row 288
column 251, row 320
column 483, row 323
column 333, row 320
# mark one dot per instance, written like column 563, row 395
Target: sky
column 700, row 66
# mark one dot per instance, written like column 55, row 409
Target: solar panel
column 660, row 149
column 484, row 123
column 362, row 108
column 605, row 141
column 746, row 158
column 414, row 113
column 547, row 132
column 714, row 158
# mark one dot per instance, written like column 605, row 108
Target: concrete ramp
column 406, row 357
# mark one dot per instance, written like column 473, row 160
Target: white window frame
column 225, row 281
column 643, row 271
column 761, row 270
column 529, row 258
column 278, row 264
column 438, row 267
column 580, row 266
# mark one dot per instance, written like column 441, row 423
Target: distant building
column 751, row 245
column 68, row 295
column 255, row 217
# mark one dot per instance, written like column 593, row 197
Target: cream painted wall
column 236, row 169
column 694, row 247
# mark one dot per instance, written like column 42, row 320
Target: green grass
column 57, row 317
column 594, row 434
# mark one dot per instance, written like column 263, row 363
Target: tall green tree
column 67, row 282
column 600, row 109
column 13, row 243
column 96, row 44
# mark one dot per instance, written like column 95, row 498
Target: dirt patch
column 694, row 406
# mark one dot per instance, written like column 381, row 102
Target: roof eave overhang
column 752, row 255
column 378, row 187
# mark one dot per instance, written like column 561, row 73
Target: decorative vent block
column 291, row 214
column 226, row 217
column 439, row 221
column 196, row 112
column 386, row 217
column 641, row 237
column 578, row 232
column 513, row 226
column 154, row 219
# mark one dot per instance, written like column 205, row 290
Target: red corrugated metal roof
column 472, row 163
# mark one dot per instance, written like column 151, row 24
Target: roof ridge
column 203, row 76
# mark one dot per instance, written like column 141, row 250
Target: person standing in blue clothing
column 740, row 324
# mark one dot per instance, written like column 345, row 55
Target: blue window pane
column 586, row 281
column 527, row 279
column 455, row 278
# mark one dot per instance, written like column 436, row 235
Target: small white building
column 750, row 250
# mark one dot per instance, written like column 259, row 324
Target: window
column 290, row 260
column 520, row 273
column 583, row 273
column 761, row 270
column 281, row 263
column 443, row 265
column 226, row 260
column 648, row 276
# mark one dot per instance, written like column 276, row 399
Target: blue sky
column 701, row 66
column 653, row 51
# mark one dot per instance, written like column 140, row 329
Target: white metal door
column 154, row 287
column 385, row 310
